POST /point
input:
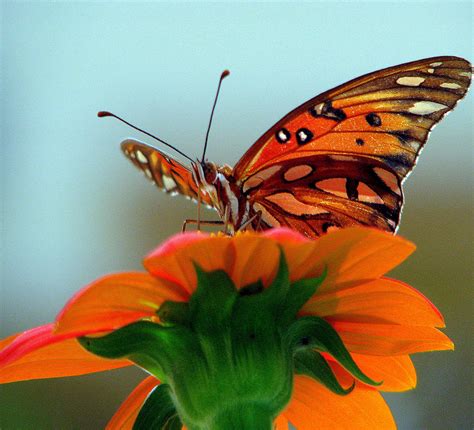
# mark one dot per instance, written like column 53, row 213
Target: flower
column 252, row 329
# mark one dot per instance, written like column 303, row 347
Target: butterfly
column 337, row 160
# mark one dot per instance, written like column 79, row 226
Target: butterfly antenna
column 102, row 114
column 223, row 75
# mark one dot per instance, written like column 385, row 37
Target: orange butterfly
column 337, row 160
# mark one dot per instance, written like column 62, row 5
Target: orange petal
column 128, row 411
column 351, row 256
column 390, row 339
column 174, row 260
column 281, row 423
column 313, row 406
column 397, row 373
column 39, row 353
column 256, row 258
column 380, row 301
column 114, row 301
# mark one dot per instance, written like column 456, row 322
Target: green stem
column 243, row 416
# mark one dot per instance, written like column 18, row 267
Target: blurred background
column 75, row 209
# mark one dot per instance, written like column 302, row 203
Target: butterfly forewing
column 167, row 173
column 385, row 115
column 355, row 143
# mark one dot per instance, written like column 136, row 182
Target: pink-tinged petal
column 39, row 353
column 176, row 261
column 380, row 301
column 352, row 256
column 128, row 411
column 178, row 242
column 116, row 300
column 390, row 339
column 313, row 406
column 284, row 235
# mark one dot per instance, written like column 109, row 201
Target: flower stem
column 243, row 416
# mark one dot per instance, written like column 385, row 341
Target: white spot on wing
column 148, row 173
column 410, row 81
column 450, row 85
column 168, row 182
column 430, row 70
column 297, row 172
column 141, row 157
column 319, row 108
column 426, row 107
column 436, row 64
column 467, row 74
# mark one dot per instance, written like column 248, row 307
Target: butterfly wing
column 167, row 173
column 374, row 126
column 315, row 193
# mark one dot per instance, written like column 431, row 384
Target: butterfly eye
column 210, row 173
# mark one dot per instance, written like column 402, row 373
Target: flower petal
column 380, row 301
column 397, row 373
column 390, row 339
column 284, row 235
column 256, row 258
column 128, row 411
column 39, row 353
column 116, row 300
column 175, row 259
column 351, row 256
column 313, row 406
column 280, row 423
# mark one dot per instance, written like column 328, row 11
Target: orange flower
column 379, row 320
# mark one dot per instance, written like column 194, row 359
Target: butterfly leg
column 199, row 223
column 226, row 220
column 257, row 216
column 199, row 212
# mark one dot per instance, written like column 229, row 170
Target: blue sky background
column 74, row 209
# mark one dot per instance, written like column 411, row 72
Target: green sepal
column 313, row 364
column 147, row 344
column 300, row 292
column 174, row 313
column 275, row 295
column 211, row 304
column 158, row 412
column 316, row 333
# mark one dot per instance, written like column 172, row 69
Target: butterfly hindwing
column 313, row 194
column 167, row 173
column 353, row 146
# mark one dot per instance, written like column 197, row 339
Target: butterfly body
column 337, row 160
